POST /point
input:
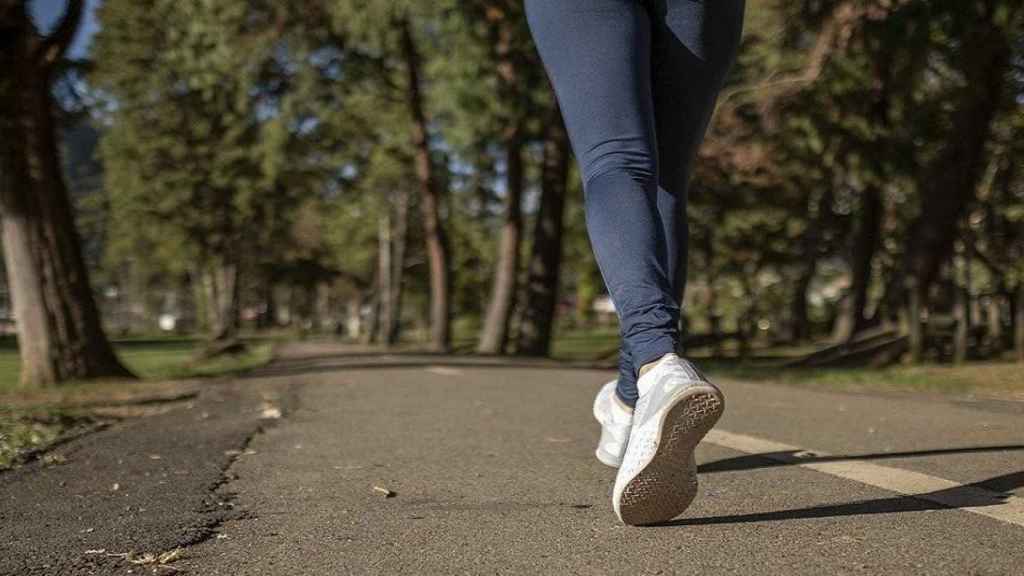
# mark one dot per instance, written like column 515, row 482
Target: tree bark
column 400, row 240
column 371, row 328
column 36, row 346
column 502, row 28
column 59, row 328
column 993, row 324
column 915, row 328
column 821, row 210
column 494, row 337
column 950, row 182
column 322, row 315
column 431, row 194
column 542, row 284
column 961, row 334
column 222, row 290
column 384, row 270
column 268, row 319
column 865, row 245
column 798, row 316
column 1018, row 323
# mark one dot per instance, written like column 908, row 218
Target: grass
column 23, row 432
column 597, row 344
column 993, row 378
column 153, row 359
column 30, row 420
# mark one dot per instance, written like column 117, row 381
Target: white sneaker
column 658, row 477
column 615, row 419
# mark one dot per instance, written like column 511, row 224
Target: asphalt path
column 328, row 463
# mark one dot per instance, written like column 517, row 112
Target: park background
column 186, row 183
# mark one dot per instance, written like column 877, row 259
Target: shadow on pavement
column 334, row 363
column 967, row 496
column 989, row 492
column 793, row 457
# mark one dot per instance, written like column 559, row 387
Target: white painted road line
column 444, row 371
column 1004, row 507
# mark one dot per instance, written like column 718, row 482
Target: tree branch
column 833, row 35
column 54, row 46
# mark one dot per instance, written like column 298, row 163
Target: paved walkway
column 490, row 471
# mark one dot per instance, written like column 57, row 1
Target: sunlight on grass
column 999, row 378
column 169, row 359
column 23, row 432
column 32, row 419
column 596, row 344
column 975, row 377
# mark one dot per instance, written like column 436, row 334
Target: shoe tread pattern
column 667, row 485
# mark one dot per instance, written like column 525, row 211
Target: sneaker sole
column 666, row 486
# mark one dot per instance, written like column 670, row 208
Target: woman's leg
column 598, row 55
column 694, row 43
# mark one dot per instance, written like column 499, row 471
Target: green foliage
column 278, row 136
column 180, row 150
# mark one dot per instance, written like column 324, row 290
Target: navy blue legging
column 637, row 82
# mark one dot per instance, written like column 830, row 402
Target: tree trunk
column 820, row 209
column 538, row 323
column 59, row 329
column 230, row 304
column 372, row 327
column 503, row 290
column 211, row 312
column 915, row 329
column 384, row 274
column 269, row 317
column 399, row 242
column 1018, row 323
column 322, row 307
column 430, row 198
column 864, row 247
column 223, row 295
column 745, row 322
column 961, row 332
column 36, row 347
column 800, row 329
column 950, row 182
column 994, row 325
column 353, row 317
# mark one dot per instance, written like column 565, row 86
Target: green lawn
column 154, row 359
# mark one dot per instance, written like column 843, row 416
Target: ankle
column 620, row 403
column 647, row 367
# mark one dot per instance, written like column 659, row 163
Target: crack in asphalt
column 149, row 484
column 285, row 404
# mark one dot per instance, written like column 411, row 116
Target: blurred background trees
column 397, row 172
